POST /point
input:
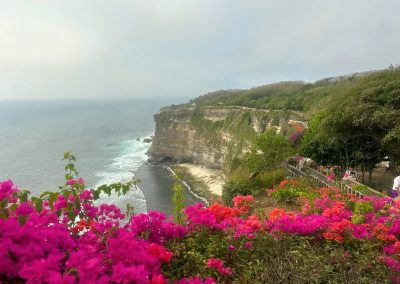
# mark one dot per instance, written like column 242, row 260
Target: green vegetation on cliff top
column 297, row 95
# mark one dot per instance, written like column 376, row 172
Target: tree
column 267, row 153
column 317, row 145
column 358, row 127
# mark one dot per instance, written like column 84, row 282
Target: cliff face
column 210, row 136
column 178, row 140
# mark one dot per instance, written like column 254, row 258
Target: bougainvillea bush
column 62, row 237
column 334, row 238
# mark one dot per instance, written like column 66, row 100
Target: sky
column 94, row 49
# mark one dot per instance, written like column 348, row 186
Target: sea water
column 106, row 137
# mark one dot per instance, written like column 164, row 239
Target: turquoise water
column 101, row 134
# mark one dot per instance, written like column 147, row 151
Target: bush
column 364, row 190
column 241, row 184
column 286, row 195
column 266, row 259
column 288, row 191
column 235, row 188
column 62, row 237
column 266, row 179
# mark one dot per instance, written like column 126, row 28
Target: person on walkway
column 331, row 175
column 350, row 174
column 346, row 175
column 353, row 174
column 396, row 187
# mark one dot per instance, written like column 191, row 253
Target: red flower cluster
column 219, row 265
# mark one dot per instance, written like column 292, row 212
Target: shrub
column 364, row 190
column 266, row 179
column 288, row 191
column 241, row 184
column 235, row 188
column 62, row 237
column 266, row 259
column 286, row 195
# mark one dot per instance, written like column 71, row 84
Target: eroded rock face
column 178, row 140
column 217, row 114
column 206, row 136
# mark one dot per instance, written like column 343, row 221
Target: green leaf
column 23, row 197
column 52, row 199
column 13, row 207
column 22, row 219
column 71, row 215
column 68, row 156
column 96, row 194
column 125, row 188
column 4, row 203
column 4, row 214
column 106, row 189
column 38, row 204
column 46, row 194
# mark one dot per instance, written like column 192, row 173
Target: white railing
column 321, row 180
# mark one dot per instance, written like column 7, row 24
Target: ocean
column 106, row 136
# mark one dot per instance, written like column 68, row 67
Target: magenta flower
column 86, row 195
column 61, row 203
column 7, row 190
column 42, row 269
column 215, row 263
column 24, row 209
column 130, row 274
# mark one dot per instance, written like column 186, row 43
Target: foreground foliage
column 334, row 238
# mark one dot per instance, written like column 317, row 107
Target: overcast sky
column 52, row 49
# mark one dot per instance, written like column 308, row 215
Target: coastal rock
column 177, row 139
column 212, row 136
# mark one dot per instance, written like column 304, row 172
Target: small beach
column 203, row 180
column 156, row 184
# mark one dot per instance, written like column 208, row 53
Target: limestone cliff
column 212, row 136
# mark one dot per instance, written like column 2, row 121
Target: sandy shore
column 210, row 177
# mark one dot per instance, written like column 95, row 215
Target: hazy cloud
column 97, row 48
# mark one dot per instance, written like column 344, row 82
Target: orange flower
column 276, row 213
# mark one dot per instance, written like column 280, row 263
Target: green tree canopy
column 360, row 126
column 268, row 151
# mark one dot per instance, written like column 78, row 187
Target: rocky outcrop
column 209, row 136
column 177, row 139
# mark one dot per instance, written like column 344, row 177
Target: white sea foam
column 132, row 154
column 189, row 189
